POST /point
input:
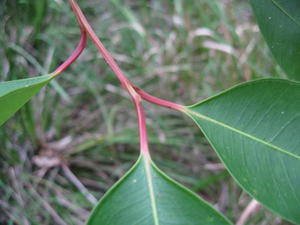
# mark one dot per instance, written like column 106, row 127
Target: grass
column 82, row 129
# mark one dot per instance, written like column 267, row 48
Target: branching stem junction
column 136, row 93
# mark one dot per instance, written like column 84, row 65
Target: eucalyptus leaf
column 146, row 196
column 14, row 94
column 279, row 22
column 255, row 129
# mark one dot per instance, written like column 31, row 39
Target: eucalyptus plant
column 254, row 127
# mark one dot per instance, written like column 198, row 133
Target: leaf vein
column 151, row 190
column 285, row 12
column 277, row 148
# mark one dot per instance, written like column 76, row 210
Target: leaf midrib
column 277, row 148
column 285, row 12
column 147, row 163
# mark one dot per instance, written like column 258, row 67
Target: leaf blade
column 140, row 208
column 290, row 8
column 250, row 126
column 14, row 94
column 279, row 22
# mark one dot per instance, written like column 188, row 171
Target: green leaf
column 255, row 129
column 279, row 22
column 146, row 196
column 14, row 94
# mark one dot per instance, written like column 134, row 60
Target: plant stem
column 142, row 128
column 135, row 93
column 133, row 90
column 159, row 101
column 118, row 72
column 76, row 53
column 107, row 57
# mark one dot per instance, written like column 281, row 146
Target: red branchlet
column 76, row 53
column 136, row 93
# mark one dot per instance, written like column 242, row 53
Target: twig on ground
column 252, row 208
column 70, row 175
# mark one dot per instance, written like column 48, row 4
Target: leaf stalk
column 76, row 53
column 136, row 93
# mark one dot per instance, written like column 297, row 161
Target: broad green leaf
column 146, row 196
column 14, row 94
column 255, row 129
column 279, row 22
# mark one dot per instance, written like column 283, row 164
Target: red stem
column 158, row 101
column 133, row 90
column 118, row 72
column 107, row 57
column 142, row 128
column 135, row 93
column 76, row 53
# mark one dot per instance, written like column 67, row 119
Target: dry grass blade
column 58, row 220
column 17, row 193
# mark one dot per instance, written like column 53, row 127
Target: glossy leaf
column 14, row 94
column 279, row 22
column 255, row 129
column 146, row 196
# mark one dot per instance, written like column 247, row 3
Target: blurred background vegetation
column 78, row 136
